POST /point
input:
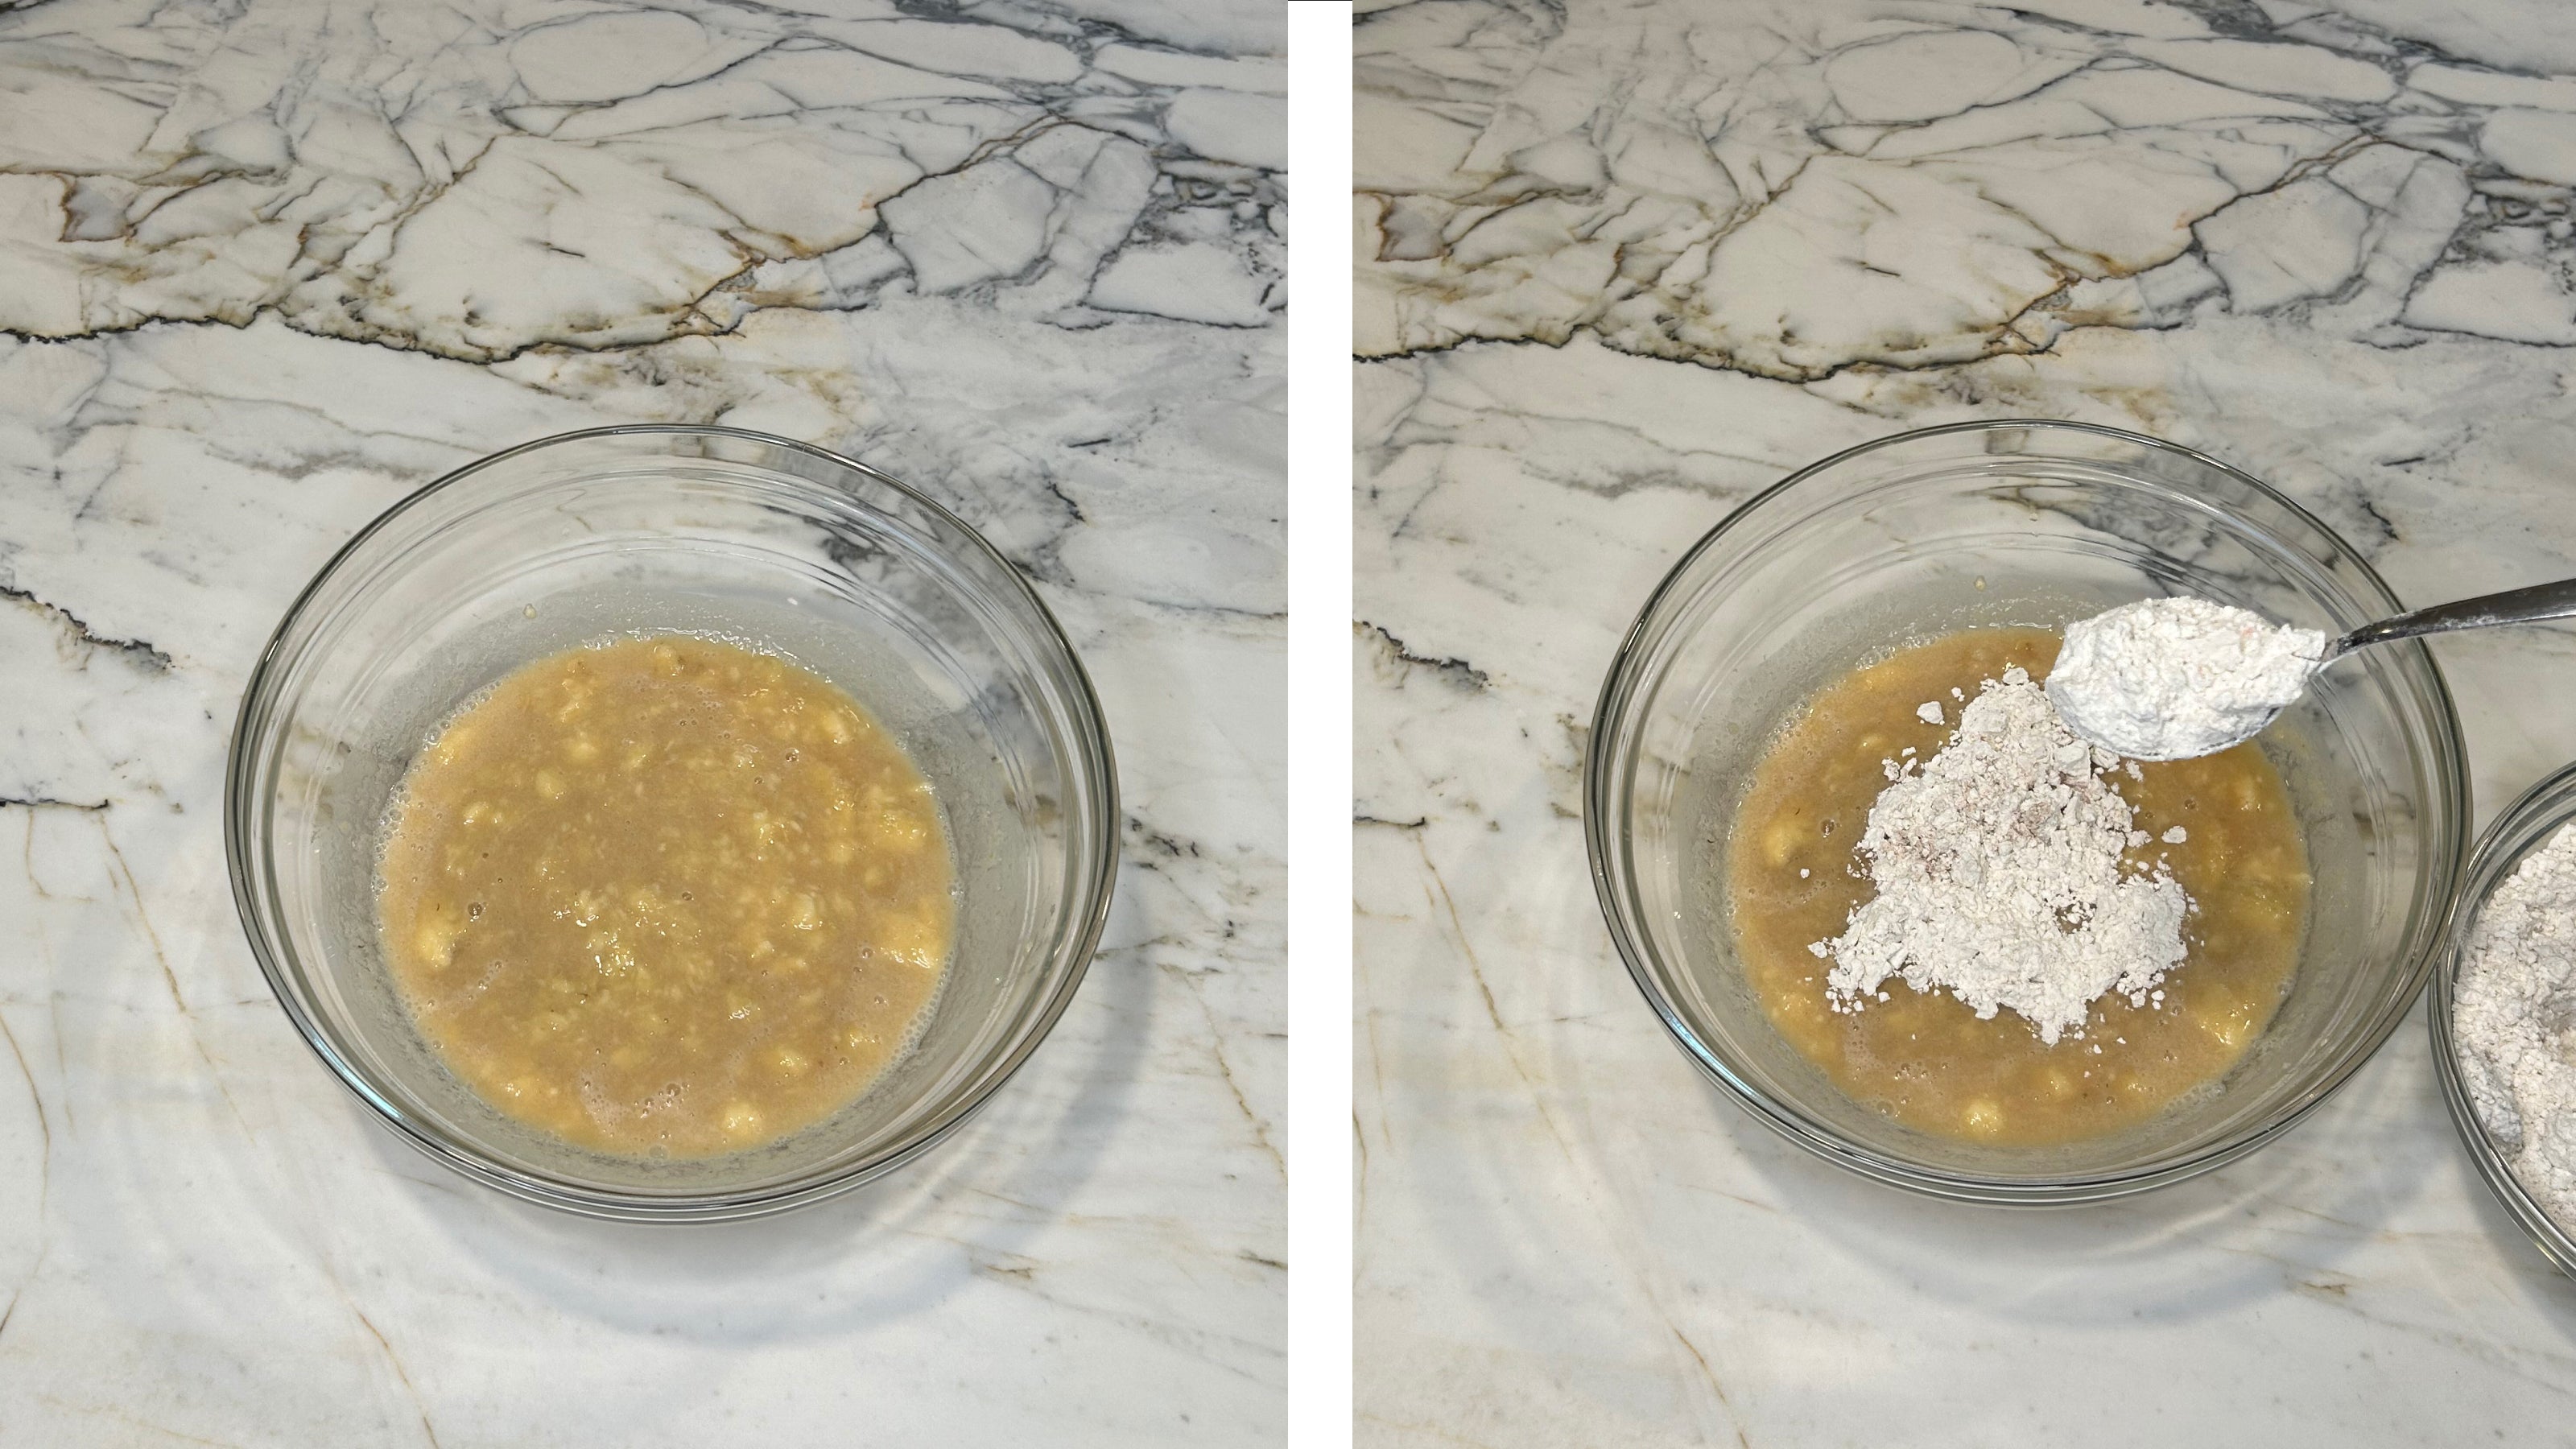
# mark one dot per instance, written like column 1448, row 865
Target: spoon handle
column 2513, row 606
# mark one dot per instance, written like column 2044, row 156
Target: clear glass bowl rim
column 1091, row 736
column 1620, row 686
column 2523, row 826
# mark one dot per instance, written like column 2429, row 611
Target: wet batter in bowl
column 666, row 897
column 1925, row 1058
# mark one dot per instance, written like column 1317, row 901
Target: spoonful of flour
column 2170, row 679
column 1998, row 863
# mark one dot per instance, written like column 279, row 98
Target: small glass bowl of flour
column 2503, row 1014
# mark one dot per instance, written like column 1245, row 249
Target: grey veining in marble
column 1623, row 264
column 267, row 265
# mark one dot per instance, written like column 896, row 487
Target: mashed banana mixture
column 1925, row 1058
column 666, row 896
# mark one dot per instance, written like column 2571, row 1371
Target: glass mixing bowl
column 2026, row 523
column 2524, row 827
column 618, row 531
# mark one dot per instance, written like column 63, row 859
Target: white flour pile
column 2515, row 1017
column 1999, row 875
column 2170, row 679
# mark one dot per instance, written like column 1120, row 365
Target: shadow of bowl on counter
column 2281, row 1220
column 250, row 1169
column 873, row 1255
column 2540, row 1285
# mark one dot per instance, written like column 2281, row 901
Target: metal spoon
column 2142, row 731
column 2513, row 606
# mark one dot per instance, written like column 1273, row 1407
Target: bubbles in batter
column 666, row 897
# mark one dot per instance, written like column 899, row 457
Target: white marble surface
column 266, row 266
column 1622, row 264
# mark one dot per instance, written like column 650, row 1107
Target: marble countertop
column 264, row 268
column 1623, row 263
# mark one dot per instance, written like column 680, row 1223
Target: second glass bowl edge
column 2520, row 828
